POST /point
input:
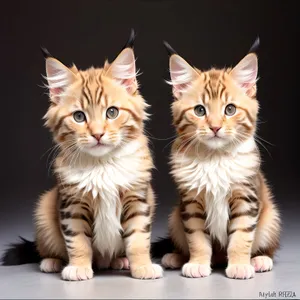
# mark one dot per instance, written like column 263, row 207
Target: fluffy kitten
column 103, row 203
column 225, row 202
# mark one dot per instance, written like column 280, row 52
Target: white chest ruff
column 216, row 174
column 104, row 182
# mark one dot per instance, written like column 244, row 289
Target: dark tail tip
column 45, row 53
column 21, row 253
column 255, row 46
column 161, row 247
column 169, row 49
column 131, row 39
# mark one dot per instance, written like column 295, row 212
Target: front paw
column 193, row 270
column 240, row 271
column 74, row 273
column 150, row 271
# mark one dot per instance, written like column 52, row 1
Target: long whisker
column 175, row 137
column 150, row 136
column 185, row 143
column 257, row 136
column 243, row 135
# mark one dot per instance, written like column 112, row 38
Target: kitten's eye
column 112, row 112
column 230, row 110
column 199, row 110
column 79, row 116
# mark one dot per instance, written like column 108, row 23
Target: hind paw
column 172, row 261
column 262, row 263
column 51, row 265
column 120, row 263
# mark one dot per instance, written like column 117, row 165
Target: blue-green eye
column 79, row 116
column 112, row 112
column 230, row 110
column 200, row 110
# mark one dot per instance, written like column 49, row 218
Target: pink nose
column 215, row 129
column 97, row 136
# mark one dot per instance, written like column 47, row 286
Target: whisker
column 176, row 136
column 257, row 136
column 243, row 135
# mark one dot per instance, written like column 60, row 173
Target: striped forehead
column 214, row 86
column 92, row 90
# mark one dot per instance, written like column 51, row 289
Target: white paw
column 151, row 271
column 51, row 265
column 196, row 270
column 120, row 263
column 74, row 273
column 262, row 263
column 240, row 271
column 172, row 261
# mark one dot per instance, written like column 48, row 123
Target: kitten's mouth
column 99, row 145
column 215, row 137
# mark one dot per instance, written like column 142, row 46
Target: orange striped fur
column 101, row 210
column 225, row 203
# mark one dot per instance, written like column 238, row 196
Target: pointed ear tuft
column 245, row 74
column 123, row 70
column 45, row 53
column 131, row 39
column 169, row 49
column 255, row 46
column 59, row 77
column 182, row 74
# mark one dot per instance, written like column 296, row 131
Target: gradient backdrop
column 206, row 33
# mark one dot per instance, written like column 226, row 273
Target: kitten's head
column 96, row 110
column 217, row 107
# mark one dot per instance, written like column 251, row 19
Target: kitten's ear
column 245, row 74
column 59, row 76
column 181, row 72
column 74, row 69
column 123, row 68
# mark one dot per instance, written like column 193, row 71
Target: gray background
column 206, row 33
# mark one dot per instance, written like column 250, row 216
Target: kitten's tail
column 161, row 247
column 24, row 252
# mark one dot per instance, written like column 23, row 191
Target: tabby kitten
column 225, row 202
column 103, row 203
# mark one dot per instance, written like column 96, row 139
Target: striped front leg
column 76, row 228
column 137, row 215
column 243, row 220
column 193, row 218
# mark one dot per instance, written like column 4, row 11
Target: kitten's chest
column 103, row 179
column 217, row 173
